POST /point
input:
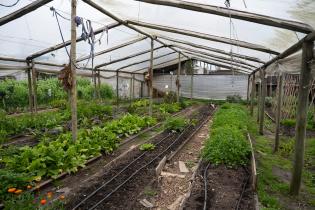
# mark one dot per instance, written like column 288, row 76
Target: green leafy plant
column 147, row 147
column 175, row 124
column 169, row 108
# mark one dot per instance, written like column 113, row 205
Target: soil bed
column 224, row 189
column 126, row 196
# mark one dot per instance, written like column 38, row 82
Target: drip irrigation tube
column 205, row 187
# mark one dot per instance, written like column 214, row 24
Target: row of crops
column 23, row 167
column 228, row 142
column 14, row 93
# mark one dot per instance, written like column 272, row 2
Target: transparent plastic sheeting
column 289, row 65
column 38, row 30
column 204, row 86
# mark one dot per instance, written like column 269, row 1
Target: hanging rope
column 87, row 35
column 12, row 5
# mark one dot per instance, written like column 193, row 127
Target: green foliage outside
column 48, row 90
column 228, row 142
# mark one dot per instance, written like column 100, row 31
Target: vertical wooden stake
column 130, row 90
column 117, row 90
column 34, row 86
column 191, row 85
column 30, row 91
column 73, row 91
column 301, row 117
column 278, row 113
column 248, row 83
column 133, row 86
column 258, row 100
column 99, row 84
column 252, row 95
column 262, row 102
column 177, row 78
column 94, row 82
column 151, row 79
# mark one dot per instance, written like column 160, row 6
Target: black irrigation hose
column 205, row 187
column 120, row 172
column 243, row 189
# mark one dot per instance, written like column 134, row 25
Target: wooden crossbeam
column 123, row 22
column 61, row 45
column 23, row 11
column 225, row 62
column 176, row 59
column 236, row 14
column 146, row 60
column 215, row 56
column 127, row 57
column 211, row 49
column 113, row 48
column 221, row 65
column 204, row 36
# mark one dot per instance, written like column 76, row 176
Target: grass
column 273, row 185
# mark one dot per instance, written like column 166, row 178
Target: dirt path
column 173, row 183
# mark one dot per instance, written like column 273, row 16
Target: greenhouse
column 157, row 104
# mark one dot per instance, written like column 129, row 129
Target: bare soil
column 224, row 189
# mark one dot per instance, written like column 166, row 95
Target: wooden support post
column 34, row 87
column 94, row 82
column 99, row 85
column 252, row 95
column 248, row 84
column 278, row 113
column 262, row 101
column 151, row 78
column 177, row 78
column 133, row 86
column 73, row 90
column 258, row 100
column 130, row 90
column 30, row 91
column 117, row 90
column 302, row 106
column 191, row 85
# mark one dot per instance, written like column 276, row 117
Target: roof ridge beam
column 113, row 48
column 236, row 14
column 220, row 61
column 146, row 60
column 215, row 56
column 204, row 36
column 127, row 57
column 216, row 50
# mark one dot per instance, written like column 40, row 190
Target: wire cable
column 11, row 5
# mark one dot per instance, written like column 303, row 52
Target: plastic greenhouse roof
column 38, row 30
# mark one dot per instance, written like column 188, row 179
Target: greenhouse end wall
column 216, row 87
